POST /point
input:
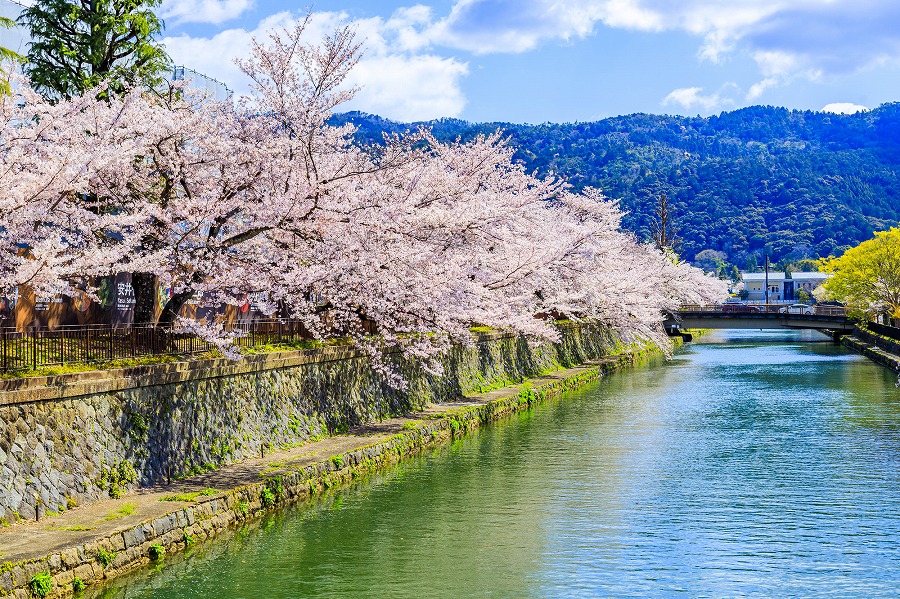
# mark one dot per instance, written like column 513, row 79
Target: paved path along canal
column 755, row 464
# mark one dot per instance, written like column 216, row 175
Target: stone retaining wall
column 879, row 349
column 885, row 343
column 73, row 439
column 125, row 550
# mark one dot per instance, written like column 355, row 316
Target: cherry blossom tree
column 51, row 230
column 414, row 240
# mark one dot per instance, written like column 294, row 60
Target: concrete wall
column 78, row 438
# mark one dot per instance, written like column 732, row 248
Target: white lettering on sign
column 125, row 299
column 42, row 304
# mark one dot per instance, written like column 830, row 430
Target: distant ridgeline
column 803, row 184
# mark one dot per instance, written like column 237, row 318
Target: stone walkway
column 99, row 520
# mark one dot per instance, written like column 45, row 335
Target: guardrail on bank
column 106, row 343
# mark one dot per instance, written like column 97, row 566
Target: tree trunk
column 170, row 312
column 144, row 284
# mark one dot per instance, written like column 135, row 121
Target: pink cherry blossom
column 415, row 240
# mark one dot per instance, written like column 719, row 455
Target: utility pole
column 767, row 280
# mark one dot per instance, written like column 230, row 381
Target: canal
column 754, row 464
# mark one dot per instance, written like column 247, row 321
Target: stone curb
column 131, row 548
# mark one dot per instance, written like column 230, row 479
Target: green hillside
column 798, row 184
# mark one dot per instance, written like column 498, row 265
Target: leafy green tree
column 709, row 260
column 77, row 45
column 806, row 265
column 7, row 55
column 867, row 277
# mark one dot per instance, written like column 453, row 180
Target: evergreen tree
column 77, row 45
column 7, row 55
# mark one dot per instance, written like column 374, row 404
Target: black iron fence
column 105, row 343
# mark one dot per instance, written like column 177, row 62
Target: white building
column 781, row 288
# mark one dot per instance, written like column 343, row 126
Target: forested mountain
column 797, row 184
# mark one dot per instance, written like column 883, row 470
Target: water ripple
column 753, row 465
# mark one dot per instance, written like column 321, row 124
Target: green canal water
column 754, row 464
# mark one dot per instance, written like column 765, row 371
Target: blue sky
column 575, row 60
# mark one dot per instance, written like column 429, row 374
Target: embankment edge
column 130, row 548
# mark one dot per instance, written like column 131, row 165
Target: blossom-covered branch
column 415, row 239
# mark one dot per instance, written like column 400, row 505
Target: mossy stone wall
column 80, row 447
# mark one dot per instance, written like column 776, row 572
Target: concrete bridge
column 751, row 316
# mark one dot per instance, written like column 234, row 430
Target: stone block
column 32, row 568
column 16, row 450
column 64, row 578
column 134, row 537
column 55, row 562
column 89, row 551
column 180, row 519
column 87, row 572
column 70, row 558
column 129, row 556
column 162, row 525
column 221, row 520
column 171, row 537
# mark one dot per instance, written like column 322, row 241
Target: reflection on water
column 754, row 464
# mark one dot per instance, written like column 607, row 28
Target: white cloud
column 397, row 77
column 759, row 88
column 497, row 26
column 692, row 98
column 406, row 77
column 844, row 108
column 213, row 56
column 409, row 88
column 204, row 11
column 788, row 39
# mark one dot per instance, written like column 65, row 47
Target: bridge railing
column 814, row 310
